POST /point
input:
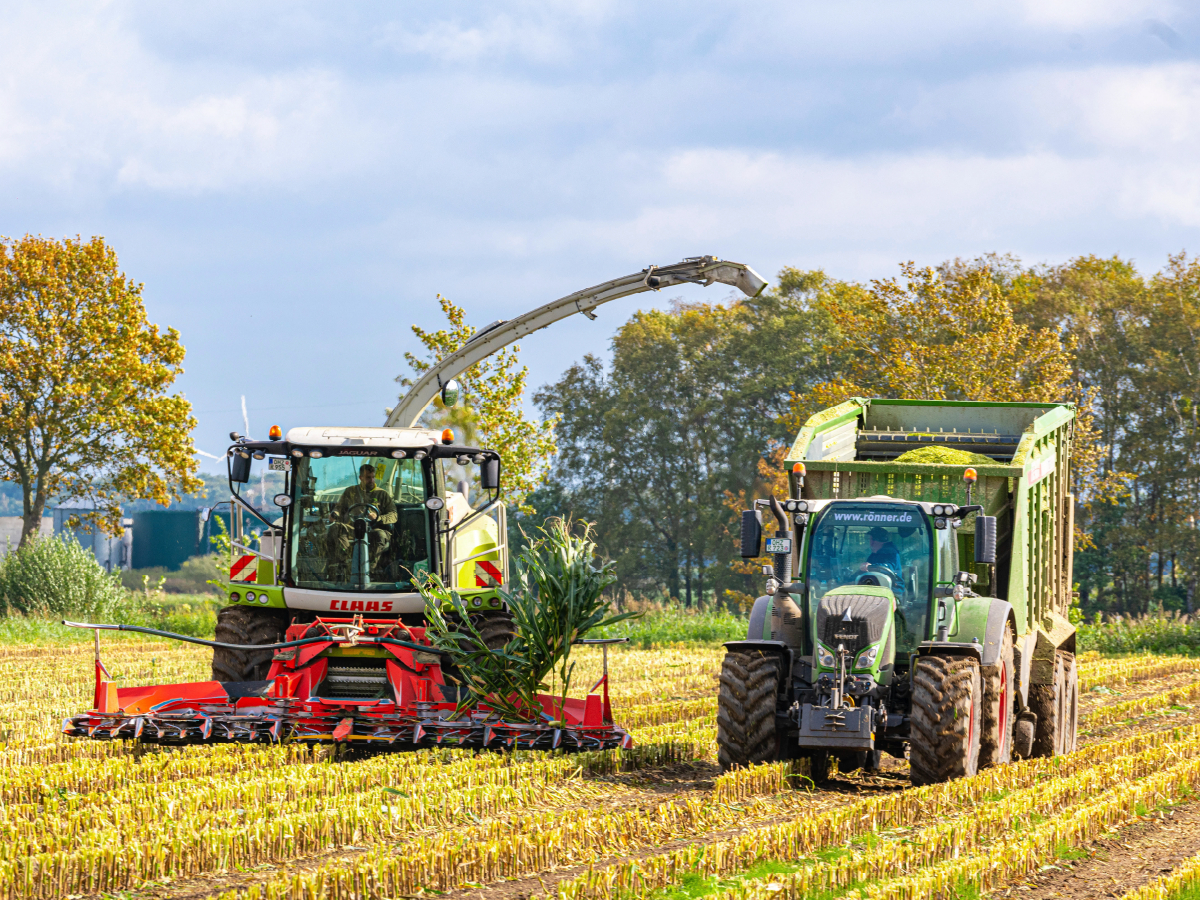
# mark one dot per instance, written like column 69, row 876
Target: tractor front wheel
column 246, row 625
column 746, row 709
column 947, row 700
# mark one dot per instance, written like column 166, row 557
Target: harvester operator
column 358, row 501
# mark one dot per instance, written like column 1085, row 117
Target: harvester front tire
column 999, row 711
column 496, row 628
column 1057, row 708
column 746, row 710
column 947, row 701
column 246, row 625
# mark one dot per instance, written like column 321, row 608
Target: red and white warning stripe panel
column 487, row 574
column 244, row 568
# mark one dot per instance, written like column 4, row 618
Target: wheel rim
column 1003, row 707
column 971, row 729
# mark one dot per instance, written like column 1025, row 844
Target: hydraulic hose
column 194, row 640
column 782, row 561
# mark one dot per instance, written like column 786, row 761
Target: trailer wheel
column 496, row 628
column 995, row 741
column 1045, row 701
column 947, row 700
column 746, row 710
column 1057, row 708
column 1070, row 731
column 246, row 625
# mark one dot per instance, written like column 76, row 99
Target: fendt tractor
column 323, row 638
column 911, row 606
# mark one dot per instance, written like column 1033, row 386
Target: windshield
column 359, row 523
column 884, row 546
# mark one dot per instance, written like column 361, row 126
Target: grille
column 355, row 679
column 868, row 616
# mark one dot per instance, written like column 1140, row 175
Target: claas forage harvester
column 324, row 637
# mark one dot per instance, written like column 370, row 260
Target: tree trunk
column 34, row 504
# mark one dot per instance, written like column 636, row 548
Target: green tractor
column 926, row 618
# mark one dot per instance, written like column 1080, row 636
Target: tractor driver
column 883, row 553
column 363, row 500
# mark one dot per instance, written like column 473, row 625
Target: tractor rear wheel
column 947, row 701
column 1057, row 708
column 995, row 742
column 746, row 709
column 246, row 625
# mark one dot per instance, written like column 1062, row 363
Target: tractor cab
column 884, row 553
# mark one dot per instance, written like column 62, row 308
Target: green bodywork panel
column 858, row 590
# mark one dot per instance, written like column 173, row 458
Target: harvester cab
column 880, row 642
column 365, row 515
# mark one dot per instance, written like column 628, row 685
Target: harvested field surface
column 93, row 819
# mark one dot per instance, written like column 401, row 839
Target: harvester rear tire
column 746, row 709
column 246, row 625
column 946, row 722
column 1057, row 708
column 496, row 628
column 999, row 711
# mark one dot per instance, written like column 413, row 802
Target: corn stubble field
column 90, row 819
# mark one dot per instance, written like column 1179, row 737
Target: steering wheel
column 865, row 577
column 365, row 506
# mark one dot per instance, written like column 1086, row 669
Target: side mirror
column 283, row 500
column 985, row 539
column 751, row 533
column 450, row 393
column 435, row 503
column 489, row 474
column 239, row 467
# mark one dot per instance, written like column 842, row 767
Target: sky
column 294, row 183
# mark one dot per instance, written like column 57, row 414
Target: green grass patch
column 667, row 626
column 194, row 615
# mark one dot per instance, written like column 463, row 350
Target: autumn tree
column 84, row 412
column 491, row 412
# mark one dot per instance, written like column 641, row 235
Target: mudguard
column 982, row 619
column 760, row 620
column 781, row 650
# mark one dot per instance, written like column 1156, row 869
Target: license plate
column 279, row 465
column 779, row 545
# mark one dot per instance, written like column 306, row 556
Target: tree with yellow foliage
column 491, row 411
column 84, row 412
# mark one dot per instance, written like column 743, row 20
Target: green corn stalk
column 557, row 599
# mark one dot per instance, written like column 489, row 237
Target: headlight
column 824, row 657
column 420, row 454
column 297, row 453
column 866, row 659
column 315, row 454
column 399, row 454
column 939, row 523
column 250, row 595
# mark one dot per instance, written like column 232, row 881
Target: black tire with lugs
column 946, row 718
column 746, row 709
column 246, row 625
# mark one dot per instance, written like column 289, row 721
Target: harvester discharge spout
column 367, row 684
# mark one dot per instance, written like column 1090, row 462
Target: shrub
column 57, row 577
